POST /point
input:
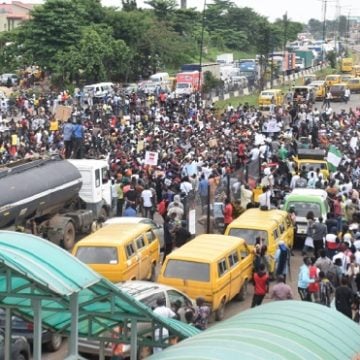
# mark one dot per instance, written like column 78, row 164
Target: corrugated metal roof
column 291, row 330
column 31, row 267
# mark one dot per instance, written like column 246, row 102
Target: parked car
column 130, row 88
column 20, row 348
column 99, row 90
column 20, row 327
column 338, row 91
column 148, row 87
column 147, row 293
column 4, row 78
column 156, row 228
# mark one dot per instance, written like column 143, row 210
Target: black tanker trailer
column 43, row 196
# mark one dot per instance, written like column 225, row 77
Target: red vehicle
column 187, row 83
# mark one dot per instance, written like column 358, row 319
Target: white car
column 146, row 292
column 5, row 77
column 156, row 228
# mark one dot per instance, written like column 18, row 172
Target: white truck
column 55, row 198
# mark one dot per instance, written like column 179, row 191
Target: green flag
column 334, row 157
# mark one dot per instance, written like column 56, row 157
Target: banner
column 63, row 113
column 151, row 158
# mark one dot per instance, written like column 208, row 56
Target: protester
column 344, row 298
column 261, row 286
column 202, row 314
column 304, row 280
column 281, row 291
column 228, row 213
column 165, row 312
column 326, row 289
column 282, row 260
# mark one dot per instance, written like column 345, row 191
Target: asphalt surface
column 235, row 307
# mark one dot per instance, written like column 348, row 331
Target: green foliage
column 331, row 58
column 129, row 5
column 162, row 8
column 55, row 26
column 96, row 57
column 210, row 82
column 82, row 41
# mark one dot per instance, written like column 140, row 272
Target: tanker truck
column 54, row 198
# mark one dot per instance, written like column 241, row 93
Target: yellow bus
column 121, row 252
column 216, row 267
column 356, row 70
column 346, row 65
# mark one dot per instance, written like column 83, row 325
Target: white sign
column 151, row 158
column 192, row 222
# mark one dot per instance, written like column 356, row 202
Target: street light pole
column 284, row 44
column 201, row 57
column 324, row 29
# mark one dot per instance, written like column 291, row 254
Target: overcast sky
column 302, row 10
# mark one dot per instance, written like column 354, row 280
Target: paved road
column 236, row 307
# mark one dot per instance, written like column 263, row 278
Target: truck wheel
column 103, row 214
column 69, row 236
column 55, row 343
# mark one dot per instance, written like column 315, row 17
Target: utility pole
column 324, row 20
column 337, row 33
column 201, row 57
column 285, row 19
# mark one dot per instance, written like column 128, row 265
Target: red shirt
column 241, row 149
column 261, row 283
column 313, row 287
column 228, row 210
column 337, row 208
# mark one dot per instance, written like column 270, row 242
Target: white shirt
column 294, row 179
column 167, row 313
column 264, row 199
column 344, row 261
column 147, row 195
column 186, row 187
column 254, row 153
column 357, row 256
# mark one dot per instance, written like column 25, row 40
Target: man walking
column 344, row 298
column 261, row 285
column 203, row 192
column 67, row 129
column 319, row 231
column 280, row 290
column 304, row 280
column 78, row 140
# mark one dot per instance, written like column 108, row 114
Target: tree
column 331, row 58
column 54, row 26
column 129, row 5
column 97, row 57
column 162, row 8
column 315, row 27
column 288, row 29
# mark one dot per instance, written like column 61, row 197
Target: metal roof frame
column 43, row 283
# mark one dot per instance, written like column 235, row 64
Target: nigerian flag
column 334, row 157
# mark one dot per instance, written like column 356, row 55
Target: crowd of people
column 198, row 147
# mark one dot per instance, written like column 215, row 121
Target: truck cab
column 96, row 185
column 312, row 158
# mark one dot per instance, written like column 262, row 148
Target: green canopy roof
column 34, row 268
column 291, row 330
